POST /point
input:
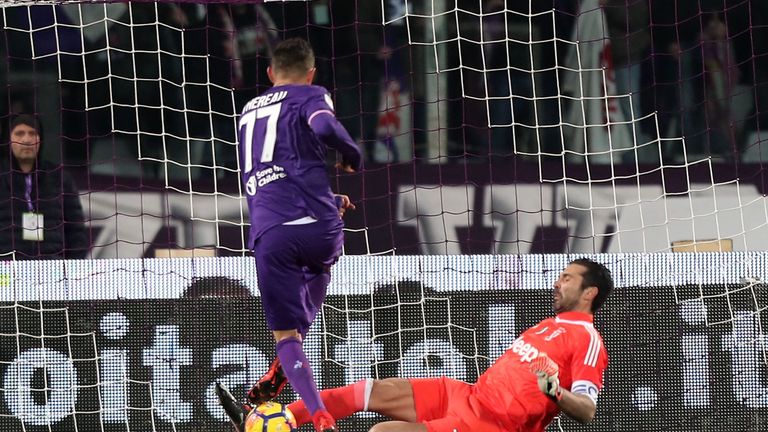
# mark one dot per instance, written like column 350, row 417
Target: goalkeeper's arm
column 577, row 405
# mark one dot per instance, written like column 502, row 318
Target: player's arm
column 579, row 407
column 331, row 133
column 579, row 403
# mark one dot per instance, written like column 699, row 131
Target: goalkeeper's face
column 569, row 292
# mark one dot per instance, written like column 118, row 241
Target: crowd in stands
column 696, row 66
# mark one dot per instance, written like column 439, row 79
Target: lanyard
column 28, row 191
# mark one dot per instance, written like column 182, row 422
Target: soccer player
column 296, row 227
column 556, row 365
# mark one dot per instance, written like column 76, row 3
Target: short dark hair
column 292, row 56
column 25, row 119
column 597, row 275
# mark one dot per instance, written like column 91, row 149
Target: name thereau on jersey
column 265, row 100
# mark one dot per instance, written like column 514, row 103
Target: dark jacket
column 54, row 195
column 629, row 30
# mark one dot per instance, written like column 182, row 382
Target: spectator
column 40, row 211
column 510, row 87
column 629, row 31
column 360, row 53
column 721, row 74
column 250, row 33
column 237, row 49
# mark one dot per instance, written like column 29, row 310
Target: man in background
column 40, row 212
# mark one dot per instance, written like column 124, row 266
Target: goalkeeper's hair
column 597, row 275
column 293, row 56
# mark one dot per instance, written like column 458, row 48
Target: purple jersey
column 284, row 135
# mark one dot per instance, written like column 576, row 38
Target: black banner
column 683, row 359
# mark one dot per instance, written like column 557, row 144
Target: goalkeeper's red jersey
column 509, row 389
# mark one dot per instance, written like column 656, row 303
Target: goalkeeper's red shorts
column 445, row 405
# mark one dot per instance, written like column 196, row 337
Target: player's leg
column 395, row 398
column 299, row 373
column 320, row 248
column 391, row 397
column 318, row 255
column 287, row 309
column 399, row 426
column 272, row 383
column 317, row 280
column 434, row 405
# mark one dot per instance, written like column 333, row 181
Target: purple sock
column 299, row 373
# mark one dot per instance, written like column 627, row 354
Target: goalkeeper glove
column 546, row 371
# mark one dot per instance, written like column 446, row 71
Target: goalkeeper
column 555, row 366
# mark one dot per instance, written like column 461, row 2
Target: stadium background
column 162, row 344
column 143, row 115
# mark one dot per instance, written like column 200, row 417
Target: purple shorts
column 293, row 264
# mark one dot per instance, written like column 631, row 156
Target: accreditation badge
column 32, row 226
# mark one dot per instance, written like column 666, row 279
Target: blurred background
column 144, row 97
column 501, row 138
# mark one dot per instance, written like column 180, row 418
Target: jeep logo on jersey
column 525, row 350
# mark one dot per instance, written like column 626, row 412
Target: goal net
column 502, row 139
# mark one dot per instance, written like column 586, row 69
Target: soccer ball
column 270, row 417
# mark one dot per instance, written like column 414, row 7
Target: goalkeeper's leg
column 391, row 397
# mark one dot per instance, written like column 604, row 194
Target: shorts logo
column 525, row 350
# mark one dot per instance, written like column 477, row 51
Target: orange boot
column 270, row 385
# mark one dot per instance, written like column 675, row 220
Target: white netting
column 138, row 344
column 608, row 179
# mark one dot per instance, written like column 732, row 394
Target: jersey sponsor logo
column 263, row 178
column 250, row 186
column 526, row 351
